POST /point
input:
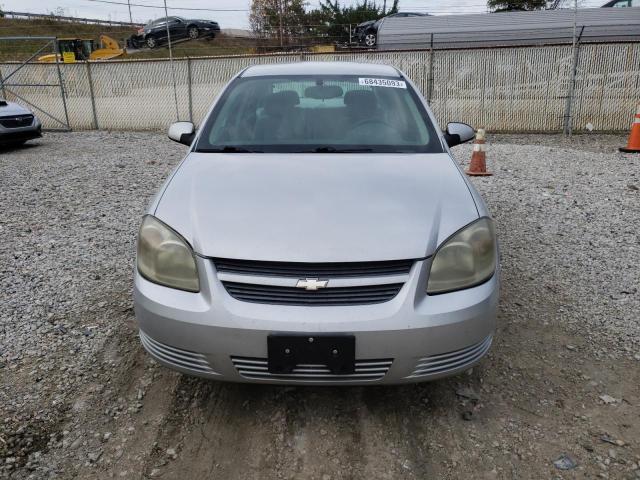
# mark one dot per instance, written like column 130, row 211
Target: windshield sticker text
column 382, row 82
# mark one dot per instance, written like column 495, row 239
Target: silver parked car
column 318, row 231
column 17, row 124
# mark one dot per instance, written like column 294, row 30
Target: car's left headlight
column 466, row 259
column 164, row 257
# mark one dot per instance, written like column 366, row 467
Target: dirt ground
column 558, row 396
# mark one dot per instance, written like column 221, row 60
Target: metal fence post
column 567, row 127
column 189, row 87
column 93, row 97
column 4, row 92
column 482, row 119
column 430, row 76
column 62, row 89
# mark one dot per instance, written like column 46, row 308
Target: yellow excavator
column 82, row 49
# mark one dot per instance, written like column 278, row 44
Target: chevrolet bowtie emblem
column 311, row 283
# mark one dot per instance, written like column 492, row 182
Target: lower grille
column 366, row 370
column 458, row 359
column 176, row 356
column 276, row 295
column 16, row 121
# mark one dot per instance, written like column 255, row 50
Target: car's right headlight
column 466, row 259
column 164, row 257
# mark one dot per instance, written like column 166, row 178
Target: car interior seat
column 361, row 105
column 280, row 119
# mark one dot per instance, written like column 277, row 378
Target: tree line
column 290, row 22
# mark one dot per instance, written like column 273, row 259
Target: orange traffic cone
column 478, row 165
column 633, row 145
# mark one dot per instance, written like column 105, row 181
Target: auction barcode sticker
column 382, row 82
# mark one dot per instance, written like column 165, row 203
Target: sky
column 227, row 19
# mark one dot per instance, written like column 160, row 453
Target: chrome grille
column 176, row 356
column 366, row 370
column 16, row 121
column 314, row 270
column 458, row 359
column 277, row 295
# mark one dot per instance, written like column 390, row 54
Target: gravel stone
column 94, row 456
column 565, row 462
column 608, row 399
column 171, row 453
column 565, row 211
column 567, row 214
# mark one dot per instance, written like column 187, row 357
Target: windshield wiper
column 228, row 149
column 329, row 149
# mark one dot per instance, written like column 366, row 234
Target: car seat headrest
column 363, row 101
column 278, row 102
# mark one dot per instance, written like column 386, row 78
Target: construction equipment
column 83, row 49
column 109, row 48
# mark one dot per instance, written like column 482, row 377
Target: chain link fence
column 514, row 89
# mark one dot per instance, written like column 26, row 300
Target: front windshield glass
column 321, row 113
column 87, row 47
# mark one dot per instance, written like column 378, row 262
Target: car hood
column 316, row 207
column 12, row 109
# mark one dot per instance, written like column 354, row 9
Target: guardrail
column 60, row 18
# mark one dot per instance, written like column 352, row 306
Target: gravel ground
column 557, row 397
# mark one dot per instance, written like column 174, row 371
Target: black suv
column 154, row 33
column 367, row 32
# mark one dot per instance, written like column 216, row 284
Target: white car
column 17, row 124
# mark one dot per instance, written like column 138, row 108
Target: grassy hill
column 21, row 50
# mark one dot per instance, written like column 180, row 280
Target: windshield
column 87, row 47
column 323, row 114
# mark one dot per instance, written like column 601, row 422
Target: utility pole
column 568, row 120
column 130, row 17
column 173, row 70
column 575, row 21
column 384, row 7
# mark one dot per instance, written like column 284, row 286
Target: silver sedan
column 318, row 231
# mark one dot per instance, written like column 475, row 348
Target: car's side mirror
column 182, row 132
column 458, row 133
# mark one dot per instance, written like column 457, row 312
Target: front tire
column 370, row 39
column 193, row 32
column 151, row 42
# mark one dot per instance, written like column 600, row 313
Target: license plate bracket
column 337, row 352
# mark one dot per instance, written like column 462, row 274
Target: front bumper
column 136, row 40
column 20, row 134
column 411, row 338
column 210, row 29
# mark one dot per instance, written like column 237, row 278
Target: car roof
column 321, row 68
